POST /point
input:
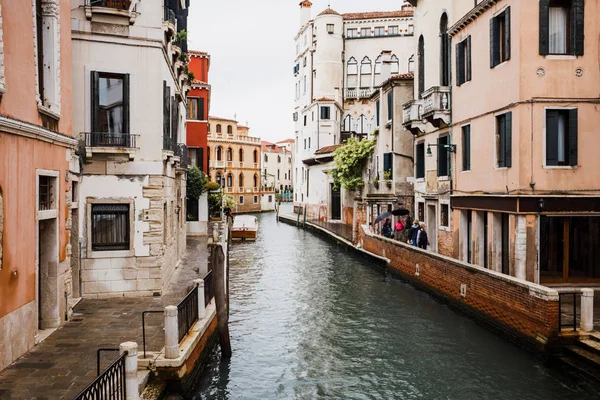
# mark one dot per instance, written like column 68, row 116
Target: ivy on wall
column 349, row 162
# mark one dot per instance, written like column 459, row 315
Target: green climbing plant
column 349, row 162
column 196, row 182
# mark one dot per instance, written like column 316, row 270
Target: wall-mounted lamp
column 541, row 204
column 450, row 148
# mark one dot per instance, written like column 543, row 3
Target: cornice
column 32, row 131
column 471, row 16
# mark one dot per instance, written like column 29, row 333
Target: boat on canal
column 245, row 227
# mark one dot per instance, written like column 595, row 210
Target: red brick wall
column 526, row 312
column 445, row 243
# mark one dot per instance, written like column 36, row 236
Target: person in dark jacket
column 414, row 231
column 422, row 239
column 387, row 228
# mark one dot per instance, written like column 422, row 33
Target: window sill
column 465, row 171
column 420, row 180
column 501, row 64
column 567, row 167
column 110, row 254
column 500, row 168
column 443, row 178
column 47, row 214
column 560, row 57
column 48, row 112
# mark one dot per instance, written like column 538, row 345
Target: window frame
column 390, row 28
column 95, row 107
column 441, row 224
column 131, row 222
column 443, row 153
column 463, row 61
column 325, row 113
column 502, row 145
column 575, row 29
column 500, row 38
column 571, row 139
column 379, row 31
column 465, row 132
column 420, row 160
column 330, row 29
column 353, row 35
column 365, row 30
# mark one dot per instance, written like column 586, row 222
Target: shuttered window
column 388, row 165
column 421, row 55
column 500, row 38
column 562, row 27
column 325, row 112
column 420, row 167
column 463, row 61
column 466, row 148
column 390, row 105
column 561, row 137
column 110, row 227
column 442, row 160
column 110, row 103
column 504, row 140
column 377, row 107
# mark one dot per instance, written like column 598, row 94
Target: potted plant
column 387, row 177
column 376, row 181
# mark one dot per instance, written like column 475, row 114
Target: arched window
column 361, row 125
column 229, row 129
column 229, row 180
column 219, row 153
column 241, row 155
column 395, row 65
column 365, row 73
column 218, row 128
column 255, row 156
column 348, row 123
column 218, row 179
column 229, row 154
column 411, row 63
column 241, row 180
column 377, row 80
column 421, row 56
column 255, row 180
column 352, row 73
column 444, row 51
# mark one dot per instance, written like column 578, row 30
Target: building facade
column 234, row 163
column 198, row 99
column 338, row 67
column 525, row 194
column 277, row 165
column 37, row 166
column 131, row 116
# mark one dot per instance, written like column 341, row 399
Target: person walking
column 387, row 228
column 422, row 239
column 399, row 229
column 414, row 231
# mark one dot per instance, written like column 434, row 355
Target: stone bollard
column 587, row 310
column 131, row 368
column 201, row 305
column 171, row 333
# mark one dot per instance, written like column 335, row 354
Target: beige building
column 234, row 162
column 525, row 195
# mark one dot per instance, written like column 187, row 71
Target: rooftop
column 378, row 14
column 287, row 141
column 329, row 11
column 213, row 118
column 328, row 149
column 268, row 147
column 198, row 53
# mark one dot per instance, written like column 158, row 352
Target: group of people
column 403, row 230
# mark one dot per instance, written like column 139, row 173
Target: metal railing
column 109, row 385
column 144, row 326
column 208, row 288
column 169, row 15
column 183, row 154
column 169, row 144
column 561, row 323
column 187, row 312
column 116, row 4
column 104, row 139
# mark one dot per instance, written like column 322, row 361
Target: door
column 336, row 204
column 432, row 227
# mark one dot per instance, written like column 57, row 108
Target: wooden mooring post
column 217, row 258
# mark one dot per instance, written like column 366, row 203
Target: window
column 561, row 27
column 444, row 214
column 463, row 61
column 229, row 129
column 377, row 108
column 255, row 199
column 278, row 177
column 466, row 147
column 379, row 31
column 442, row 159
column 196, row 157
column 309, row 143
column 304, row 144
column 255, row 180
column 47, row 40
column 395, row 65
column 305, row 120
column 392, row 30
column 218, row 128
column 325, row 112
column 271, row 198
column 388, row 163
column 241, row 180
column 330, row 28
column 390, row 105
column 110, row 108
column 229, row 180
column 351, row 33
column 561, row 137
column 219, row 180
column 377, row 75
column 365, row 32
column 295, row 116
column 304, row 84
column 229, row 154
column 278, row 159
column 421, row 56
column 503, row 140
column 255, row 156
column 421, row 212
column 444, row 51
column 420, row 151
column 241, row 199
column 219, row 154
column 196, row 109
column 266, row 158
column 241, row 155
column 352, row 73
column 500, row 38
column 46, row 190
column 304, row 62
column 110, row 227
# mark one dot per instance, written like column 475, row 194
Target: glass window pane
column 110, row 104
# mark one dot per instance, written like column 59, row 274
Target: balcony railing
column 169, row 16
column 183, row 154
column 217, row 164
column 116, row 4
column 436, row 105
column 169, row 144
column 351, row 93
column 358, row 93
column 103, row 139
column 239, row 138
column 411, row 111
column 365, row 92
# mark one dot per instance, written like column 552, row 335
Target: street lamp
column 450, row 148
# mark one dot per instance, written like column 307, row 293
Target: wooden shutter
column 494, row 42
column 377, row 116
column 390, row 105
column 508, row 139
column 387, row 162
column 573, row 137
column 95, row 78
column 466, row 156
column 174, row 120
column 507, row 34
column 126, row 90
column 460, row 64
column 577, row 34
column 166, row 113
column 544, row 27
column 468, row 53
column 201, row 110
column 551, row 137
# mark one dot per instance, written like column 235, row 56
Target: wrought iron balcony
column 170, row 19
column 412, row 118
column 110, row 7
column 183, row 154
column 104, row 142
column 436, row 105
column 116, row 4
column 169, row 144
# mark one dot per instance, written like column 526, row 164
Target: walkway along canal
column 312, row 319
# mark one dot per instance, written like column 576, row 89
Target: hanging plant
column 349, row 162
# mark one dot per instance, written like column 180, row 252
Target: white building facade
column 129, row 85
column 277, row 165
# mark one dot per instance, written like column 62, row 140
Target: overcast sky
column 251, row 44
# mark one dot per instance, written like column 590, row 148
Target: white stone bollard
column 171, row 333
column 131, row 368
column 586, row 323
column 201, row 305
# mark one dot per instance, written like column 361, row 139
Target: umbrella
column 400, row 211
column 383, row 216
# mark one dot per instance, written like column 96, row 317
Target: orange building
column 198, row 109
column 36, row 146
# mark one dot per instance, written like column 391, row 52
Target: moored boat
column 245, row 227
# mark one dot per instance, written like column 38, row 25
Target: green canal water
column 311, row 320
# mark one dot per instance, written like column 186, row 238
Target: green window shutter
column 507, row 34
column 95, row 78
column 166, row 113
column 508, row 139
column 544, row 27
column 551, row 137
column 126, row 102
column 573, row 137
column 460, row 64
column 577, row 25
column 493, row 40
column 468, row 51
column 387, row 163
column 390, row 105
column 377, row 106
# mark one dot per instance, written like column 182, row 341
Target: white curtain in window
column 558, row 30
column 562, row 125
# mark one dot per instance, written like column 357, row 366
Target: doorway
column 48, row 293
column 75, row 254
column 336, row 204
column 432, row 226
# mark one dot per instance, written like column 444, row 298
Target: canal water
column 309, row 320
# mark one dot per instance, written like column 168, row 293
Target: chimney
column 305, row 6
column 386, row 65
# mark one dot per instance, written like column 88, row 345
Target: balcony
column 183, row 154
column 215, row 164
column 436, row 105
column 169, row 21
column 236, row 138
column 358, row 93
column 412, row 116
column 109, row 143
column 119, row 8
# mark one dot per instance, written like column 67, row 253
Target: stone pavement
column 65, row 363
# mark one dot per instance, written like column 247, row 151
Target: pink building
column 525, row 119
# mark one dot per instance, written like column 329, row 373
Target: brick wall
column 525, row 312
column 446, row 243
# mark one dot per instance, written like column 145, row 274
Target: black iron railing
column 187, row 312
column 116, row 4
column 566, row 322
column 109, row 385
column 103, row 139
column 182, row 153
column 144, row 326
column 169, row 144
column 208, row 288
column 169, row 15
